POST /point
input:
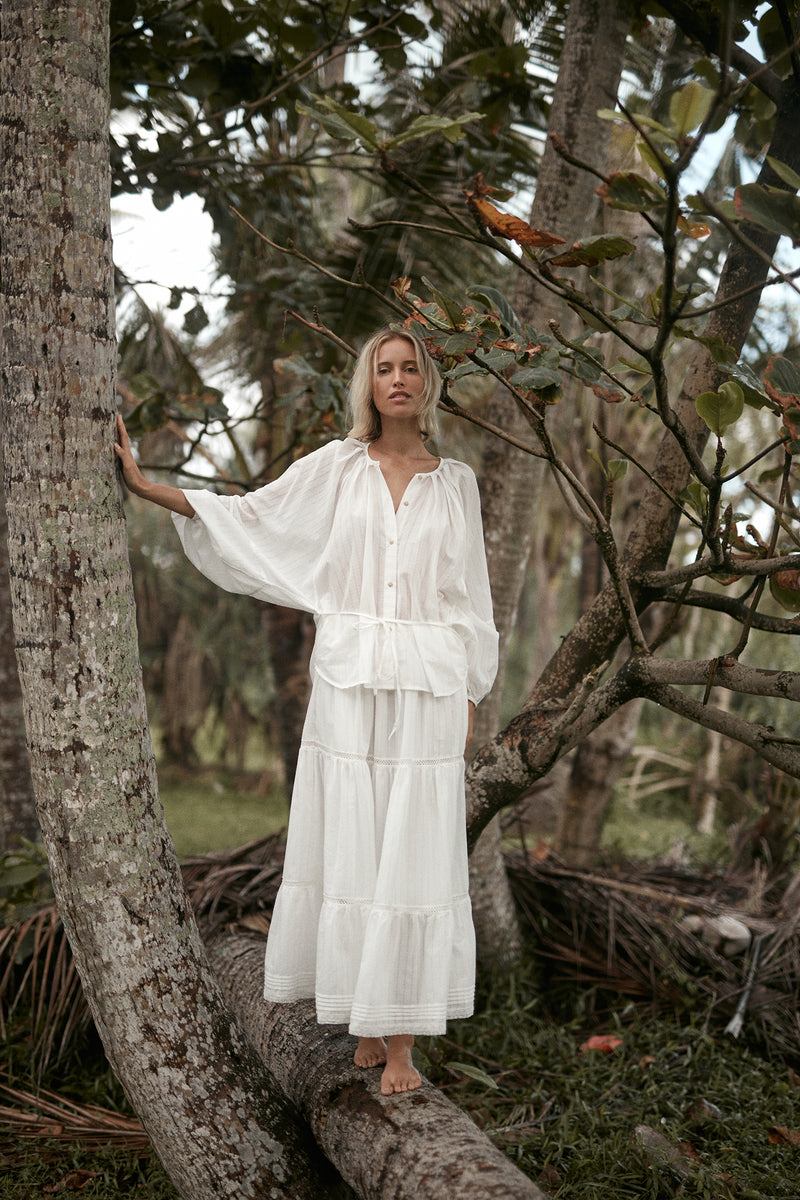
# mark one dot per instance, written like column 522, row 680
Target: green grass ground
column 220, row 810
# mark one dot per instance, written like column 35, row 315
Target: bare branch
column 733, row 607
column 732, row 565
column 728, row 673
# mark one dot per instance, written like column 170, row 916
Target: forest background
column 602, row 346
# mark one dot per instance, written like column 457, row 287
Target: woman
column 382, row 542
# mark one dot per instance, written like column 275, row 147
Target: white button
column 391, row 541
column 405, row 504
column 390, row 585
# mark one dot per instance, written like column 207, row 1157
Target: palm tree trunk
column 17, row 807
column 213, row 1112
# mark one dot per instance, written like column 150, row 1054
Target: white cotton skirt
column 373, row 915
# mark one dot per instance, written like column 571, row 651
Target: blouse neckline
column 366, row 445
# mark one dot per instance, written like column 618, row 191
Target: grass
column 219, row 810
column 575, row 1120
column 629, row 833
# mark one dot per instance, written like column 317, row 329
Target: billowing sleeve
column 482, row 646
column 269, row 543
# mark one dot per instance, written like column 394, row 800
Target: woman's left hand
column 470, row 722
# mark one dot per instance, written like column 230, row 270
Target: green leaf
column 638, row 365
column 495, row 301
column 472, row 1073
column 17, row 875
column 497, row 359
column 341, row 122
column 772, row 208
column 453, row 310
column 689, row 107
column 721, row 408
column 632, row 192
column 723, row 354
column 696, row 496
column 627, row 310
column 536, row 379
column 789, row 177
column 617, row 469
column 651, row 157
column 451, row 127
column 593, row 454
column 454, row 344
column 751, row 385
column 590, row 318
column 591, row 251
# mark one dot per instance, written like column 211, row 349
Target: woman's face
column 397, row 385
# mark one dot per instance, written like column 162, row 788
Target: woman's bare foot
column 400, row 1074
column 370, row 1052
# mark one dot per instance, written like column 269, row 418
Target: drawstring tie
column 388, row 626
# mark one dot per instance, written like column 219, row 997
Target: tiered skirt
column 373, row 915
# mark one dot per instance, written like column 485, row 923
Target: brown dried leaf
column 781, row 1135
column 610, row 395
column 507, row 226
column 695, row 229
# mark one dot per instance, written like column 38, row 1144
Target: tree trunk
column 595, row 769
column 414, row 1147
column 214, row 1114
column 17, row 807
column 184, row 697
column 291, row 639
column 511, row 481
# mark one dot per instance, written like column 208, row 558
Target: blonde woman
column 381, row 540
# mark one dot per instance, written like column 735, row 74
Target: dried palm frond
column 233, row 889
column 622, row 931
column 48, row 1115
column 39, row 971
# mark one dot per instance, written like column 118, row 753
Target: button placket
column 390, row 568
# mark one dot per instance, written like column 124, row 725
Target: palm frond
column 48, row 1115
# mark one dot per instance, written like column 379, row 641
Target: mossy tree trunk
column 216, row 1117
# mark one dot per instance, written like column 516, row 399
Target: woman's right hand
column 160, row 493
column 134, row 479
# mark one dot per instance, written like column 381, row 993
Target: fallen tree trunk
column 417, row 1146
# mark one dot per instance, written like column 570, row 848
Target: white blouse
column 400, row 599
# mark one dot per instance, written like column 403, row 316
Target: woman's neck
column 401, row 439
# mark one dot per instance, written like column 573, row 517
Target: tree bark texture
column 413, row 1146
column 17, row 806
column 595, row 769
column 511, row 481
column 214, row 1114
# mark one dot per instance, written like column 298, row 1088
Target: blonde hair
column 365, row 416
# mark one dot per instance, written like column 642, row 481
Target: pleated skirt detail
column 373, row 915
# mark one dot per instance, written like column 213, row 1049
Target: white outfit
column 373, row 915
